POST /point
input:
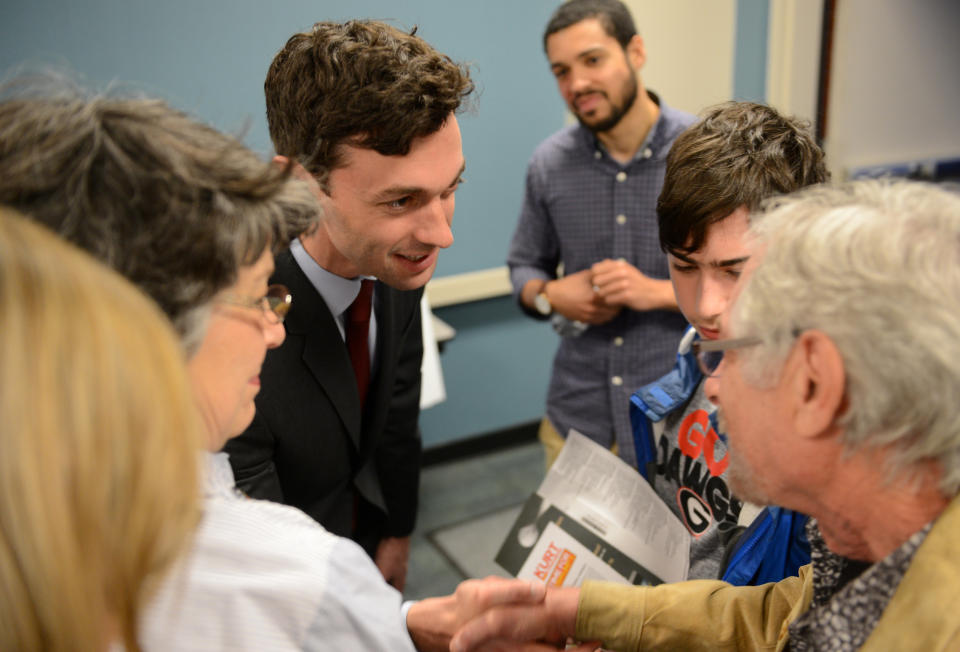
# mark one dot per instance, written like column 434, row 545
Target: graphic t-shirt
column 691, row 478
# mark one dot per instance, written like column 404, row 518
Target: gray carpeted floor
column 471, row 546
column 466, row 509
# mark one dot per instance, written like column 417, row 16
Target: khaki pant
column 553, row 442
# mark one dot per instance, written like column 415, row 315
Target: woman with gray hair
column 192, row 216
column 183, row 211
column 173, row 205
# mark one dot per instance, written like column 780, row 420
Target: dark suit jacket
column 309, row 445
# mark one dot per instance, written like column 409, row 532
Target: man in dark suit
column 367, row 112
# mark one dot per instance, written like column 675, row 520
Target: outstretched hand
column 432, row 622
column 528, row 627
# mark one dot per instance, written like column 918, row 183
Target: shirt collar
column 849, row 597
column 653, row 141
column 337, row 292
column 218, row 479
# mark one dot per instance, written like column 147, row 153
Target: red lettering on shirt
column 696, row 436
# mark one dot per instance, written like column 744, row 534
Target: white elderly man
column 837, row 376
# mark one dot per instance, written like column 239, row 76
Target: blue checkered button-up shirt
column 582, row 206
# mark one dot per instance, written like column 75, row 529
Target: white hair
column 875, row 265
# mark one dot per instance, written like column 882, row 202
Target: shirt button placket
column 621, row 205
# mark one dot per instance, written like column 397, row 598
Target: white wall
column 690, row 49
column 895, row 84
column 793, row 63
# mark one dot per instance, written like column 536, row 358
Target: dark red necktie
column 357, row 326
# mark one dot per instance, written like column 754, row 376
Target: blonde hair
column 99, row 446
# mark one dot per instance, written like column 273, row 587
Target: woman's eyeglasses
column 275, row 304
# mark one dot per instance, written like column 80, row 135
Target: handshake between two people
column 598, row 294
column 497, row 615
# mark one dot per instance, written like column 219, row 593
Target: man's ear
column 636, row 52
column 819, row 384
column 300, row 172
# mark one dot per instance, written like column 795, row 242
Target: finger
column 513, row 646
column 495, row 591
column 517, row 591
column 510, row 646
column 614, row 297
column 499, row 625
column 606, row 275
column 606, row 297
column 604, row 265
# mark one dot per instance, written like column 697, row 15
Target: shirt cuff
column 404, row 609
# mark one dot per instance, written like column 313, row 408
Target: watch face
column 542, row 304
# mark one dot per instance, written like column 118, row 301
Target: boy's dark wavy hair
column 738, row 154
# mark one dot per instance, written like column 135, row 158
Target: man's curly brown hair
column 362, row 83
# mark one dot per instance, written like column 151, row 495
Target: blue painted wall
column 209, row 57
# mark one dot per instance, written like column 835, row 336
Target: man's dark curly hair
column 738, row 154
column 361, row 83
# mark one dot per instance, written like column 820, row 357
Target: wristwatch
column 542, row 303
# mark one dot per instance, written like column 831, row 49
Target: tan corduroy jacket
column 713, row 615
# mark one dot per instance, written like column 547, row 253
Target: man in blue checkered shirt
column 590, row 202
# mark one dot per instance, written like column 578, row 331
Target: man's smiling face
column 389, row 216
column 596, row 77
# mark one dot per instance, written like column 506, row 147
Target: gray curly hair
column 876, row 266
column 172, row 204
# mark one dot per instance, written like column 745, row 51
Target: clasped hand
column 505, row 625
column 597, row 295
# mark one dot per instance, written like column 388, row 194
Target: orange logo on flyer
column 562, row 569
column 555, row 564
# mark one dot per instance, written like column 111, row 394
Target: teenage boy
column 718, row 172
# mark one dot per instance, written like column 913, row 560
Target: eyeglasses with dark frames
column 275, row 304
column 709, row 353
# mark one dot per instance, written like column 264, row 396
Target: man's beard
column 740, row 476
column 742, row 481
column 629, row 96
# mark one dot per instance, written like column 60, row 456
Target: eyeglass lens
column 709, row 361
column 278, row 299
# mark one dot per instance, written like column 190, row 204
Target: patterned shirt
column 582, row 206
column 848, row 596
